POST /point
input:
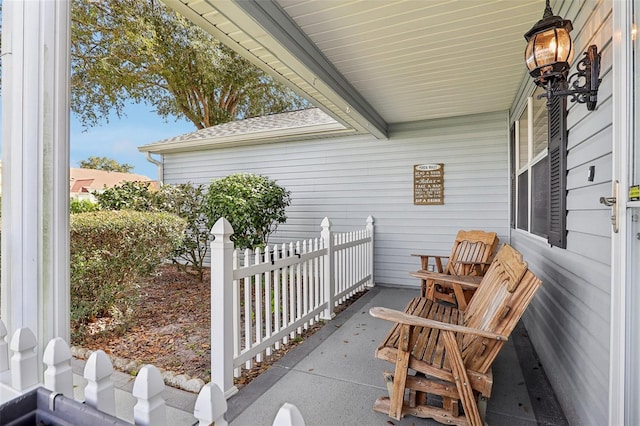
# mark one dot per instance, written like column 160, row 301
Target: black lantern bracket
column 581, row 86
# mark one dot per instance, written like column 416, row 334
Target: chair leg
column 462, row 380
column 400, row 375
column 451, row 405
column 388, row 379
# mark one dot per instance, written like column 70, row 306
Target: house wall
column 350, row 178
column 568, row 321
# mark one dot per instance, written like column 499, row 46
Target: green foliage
column 187, row 201
column 82, row 206
column 128, row 196
column 110, row 252
column 106, row 164
column 183, row 200
column 253, row 204
column 143, row 51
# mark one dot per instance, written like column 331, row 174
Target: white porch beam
column 308, row 71
column 275, row 21
column 35, row 172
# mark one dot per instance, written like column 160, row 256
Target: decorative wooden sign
column 428, row 184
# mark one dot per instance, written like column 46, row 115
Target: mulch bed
column 171, row 328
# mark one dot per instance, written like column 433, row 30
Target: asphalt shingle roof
column 265, row 123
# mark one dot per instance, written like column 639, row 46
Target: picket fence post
column 288, row 415
column 24, row 362
column 222, row 307
column 150, row 408
column 58, row 377
column 99, row 392
column 211, row 406
column 370, row 232
column 4, row 348
column 329, row 285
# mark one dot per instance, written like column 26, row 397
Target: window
column 538, row 160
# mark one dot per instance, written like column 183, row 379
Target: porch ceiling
column 373, row 63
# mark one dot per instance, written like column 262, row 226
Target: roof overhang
column 266, row 36
column 372, row 65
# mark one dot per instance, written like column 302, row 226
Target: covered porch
column 410, row 82
column 333, row 378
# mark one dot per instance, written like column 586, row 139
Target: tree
column 254, row 205
column 106, row 164
column 143, row 51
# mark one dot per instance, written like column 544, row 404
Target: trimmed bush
column 82, row 206
column 253, row 204
column 127, row 196
column 184, row 200
column 110, row 252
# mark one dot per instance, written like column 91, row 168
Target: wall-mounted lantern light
column 548, row 56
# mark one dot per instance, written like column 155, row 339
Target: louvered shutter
column 558, row 172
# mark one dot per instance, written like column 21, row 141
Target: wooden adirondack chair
column 450, row 350
column 470, row 256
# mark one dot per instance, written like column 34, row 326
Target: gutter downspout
column 158, row 164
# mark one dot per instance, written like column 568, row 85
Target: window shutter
column 512, row 160
column 558, row 172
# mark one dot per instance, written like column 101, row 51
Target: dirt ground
column 171, row 328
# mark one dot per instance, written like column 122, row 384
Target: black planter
column 43, row 407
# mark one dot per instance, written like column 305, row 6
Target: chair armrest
column 467, row 282
column 403, row 318
column 424, row 260
column 467, row 262
column 430, row 255
column 471, row 266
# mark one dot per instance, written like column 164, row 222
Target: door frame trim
column 622, row 135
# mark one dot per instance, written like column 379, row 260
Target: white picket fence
column 259, row 300
column 267, row 297
column 19, row 375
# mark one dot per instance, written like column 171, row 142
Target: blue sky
column 120, row 138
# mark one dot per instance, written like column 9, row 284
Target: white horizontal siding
column 568, row 321
column 350, row 178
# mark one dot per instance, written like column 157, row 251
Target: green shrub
column 110, row 252
column 186, row 201
column 82, row 206
column 128, row 196
column 253, row 204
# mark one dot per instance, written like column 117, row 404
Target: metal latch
column 608, row 201
column 613, row 203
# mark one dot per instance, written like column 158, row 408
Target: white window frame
column 528, row 167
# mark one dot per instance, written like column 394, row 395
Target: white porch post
column 329, row 285
column 623, row 408
column 370, row 260
column 222, row 307
column 35, row 167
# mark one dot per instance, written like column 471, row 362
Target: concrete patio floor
column 334, row 379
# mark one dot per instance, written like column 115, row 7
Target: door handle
column 613, row 203
column 608, row 201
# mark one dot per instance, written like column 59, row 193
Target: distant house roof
column 89, row 180
column 303, row 124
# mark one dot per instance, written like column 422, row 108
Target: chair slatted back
column 470, row 246
column 502, row 297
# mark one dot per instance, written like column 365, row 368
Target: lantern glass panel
column 548, row 47
column 564, row 46
column 545, row 47
column 529, row 57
